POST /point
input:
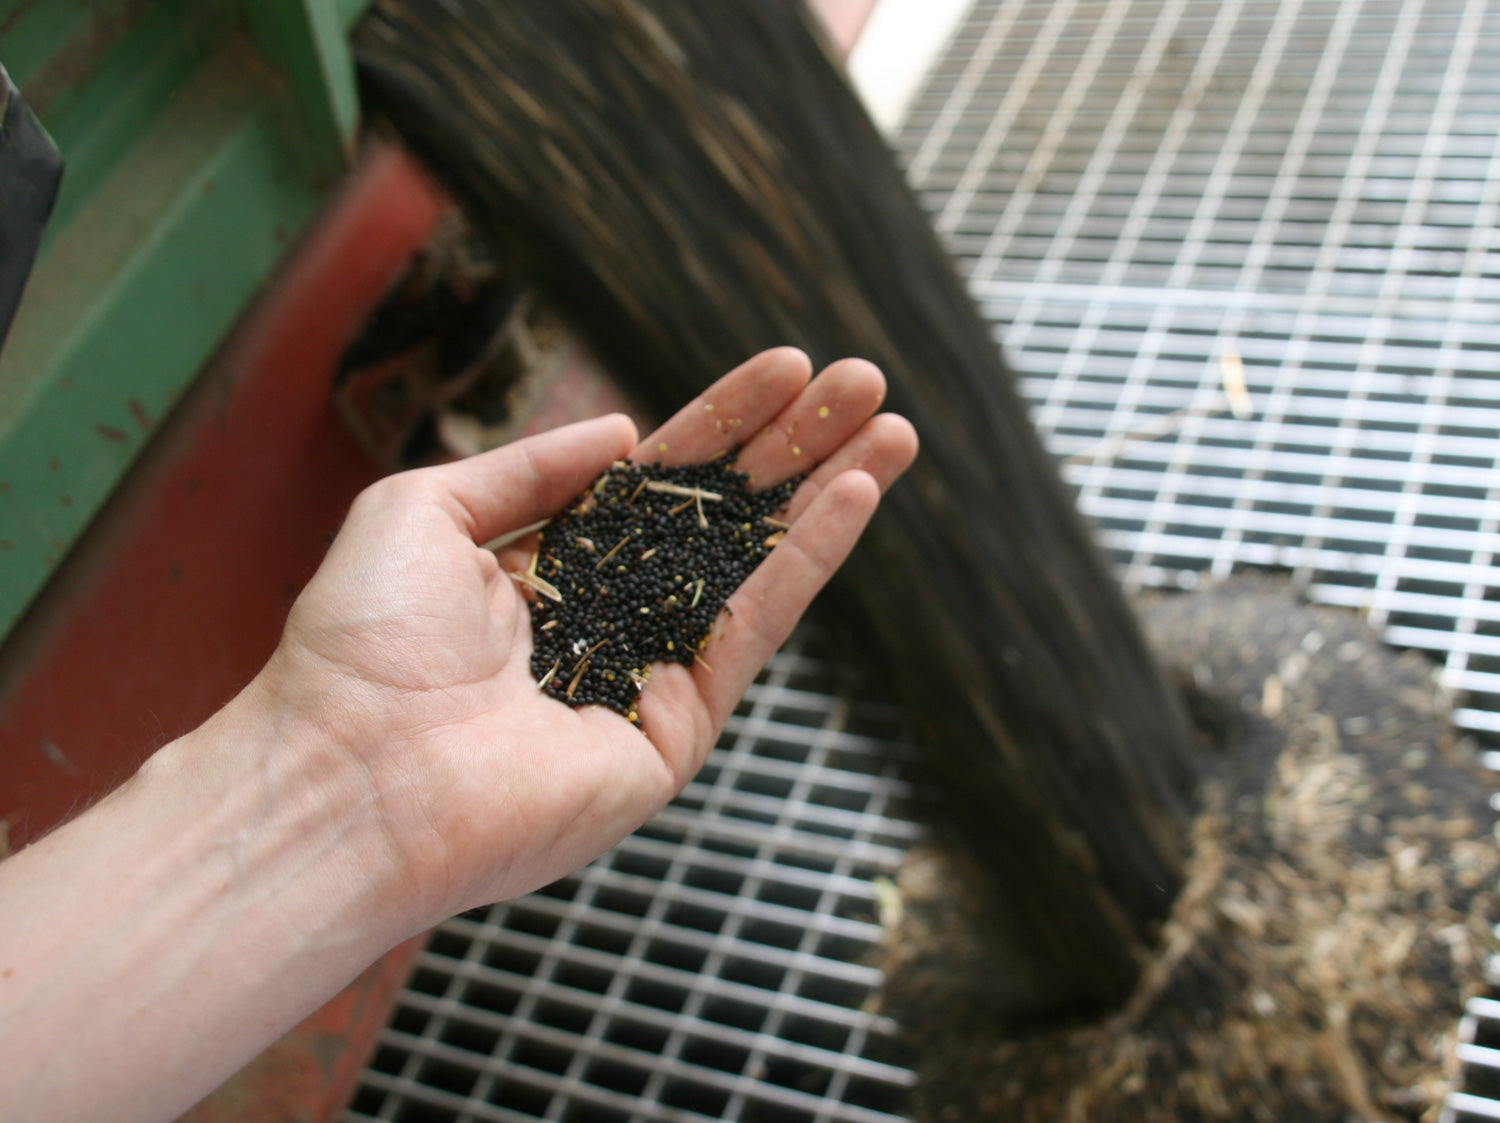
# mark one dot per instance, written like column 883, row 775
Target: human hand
column 406, row 660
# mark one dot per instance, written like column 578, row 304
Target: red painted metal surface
column 843, row 20
column 309, row 1075
column 177, row 594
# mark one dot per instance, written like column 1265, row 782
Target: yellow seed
column 796, row 450
column 662, row 447
column 823, row 411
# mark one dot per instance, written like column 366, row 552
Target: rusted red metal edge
column 177, row 594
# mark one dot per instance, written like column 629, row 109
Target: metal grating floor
column 1311, row 187
column 715, row 965
column 1246, row 254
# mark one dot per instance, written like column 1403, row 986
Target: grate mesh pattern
column 1479, row 1050
column 1246, row 255
column 715, row 965
column 1157, row 199
column 1156, row 194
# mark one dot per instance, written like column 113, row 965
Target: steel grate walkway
column 1245, row 254
column 1310, row 188
column 715, row 965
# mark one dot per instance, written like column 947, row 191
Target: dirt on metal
column 1337, row 909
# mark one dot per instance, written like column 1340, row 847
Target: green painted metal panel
column 305, row 41
column 200, row 136
column 96, row 117
column 161, row 263
column 351, row 10
column 35, row 31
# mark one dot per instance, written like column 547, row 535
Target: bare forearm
column 156, row 943
column 395, row 762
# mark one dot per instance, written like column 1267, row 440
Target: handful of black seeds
column 636, row 570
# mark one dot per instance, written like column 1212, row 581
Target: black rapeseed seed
column 636, row 570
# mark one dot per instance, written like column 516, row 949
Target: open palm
column 412, row 645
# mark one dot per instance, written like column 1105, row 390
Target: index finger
column 507, row 487
column 729, row 412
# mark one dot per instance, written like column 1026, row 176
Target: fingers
column 884, row 447
column 730, row 411
column 521, row 483
column 788, row 426
column 769, row 604
column 814, row 424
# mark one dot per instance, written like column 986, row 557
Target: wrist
column 289, row 810
column 244, row 881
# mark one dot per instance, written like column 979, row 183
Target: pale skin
column 394, row 762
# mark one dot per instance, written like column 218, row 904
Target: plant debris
column 1336, row 913
column 683, row 539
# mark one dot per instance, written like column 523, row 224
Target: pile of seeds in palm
column 636, row 570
